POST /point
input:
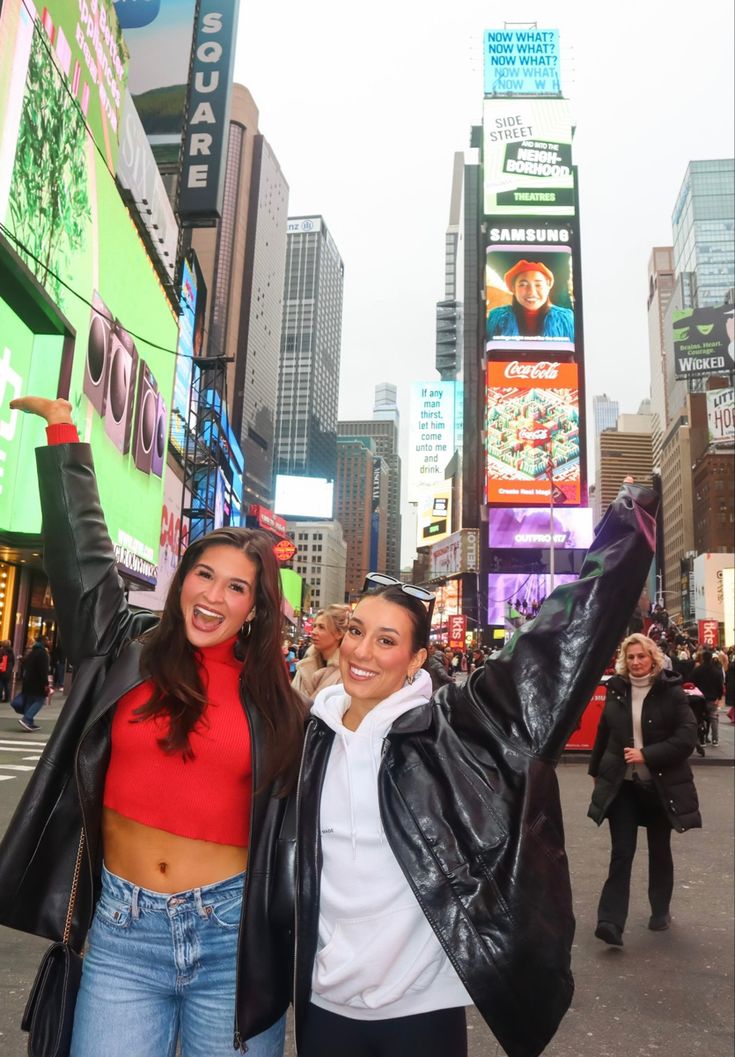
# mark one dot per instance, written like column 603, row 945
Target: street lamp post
column 550, row 474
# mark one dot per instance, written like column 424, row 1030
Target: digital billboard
column 532, row 416
column 529, row 291
column 159, row 37
column 721, row 416
column 521, row 62
column 510, row 595
column 434, row 513
column 527, row 157
column 63, row 215
column 516, row 527
column 192, row 303
column 704, row 340
column 431, row 437
column 303, row 497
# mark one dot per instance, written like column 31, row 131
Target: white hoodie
column 377, row 955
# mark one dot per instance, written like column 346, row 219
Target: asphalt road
column 665, row 993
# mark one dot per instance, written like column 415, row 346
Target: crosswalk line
column 34, row 758
column 15, row 767
column 20, row 748
column 6, row 777
column 22, row 741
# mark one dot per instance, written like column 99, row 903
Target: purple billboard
column 510, row 594
column 529, row 527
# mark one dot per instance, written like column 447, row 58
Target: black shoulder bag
column 49, row 1012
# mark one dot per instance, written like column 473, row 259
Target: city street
column 663, row 992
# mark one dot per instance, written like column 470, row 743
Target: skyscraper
column 383, row 431
column 605, row 415
column 703, row 225
column 306, row 429
column 660, row 288
column 261, row 317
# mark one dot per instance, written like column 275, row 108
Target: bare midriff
column 165, row 862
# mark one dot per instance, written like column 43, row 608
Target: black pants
column 441, row 1033
column 637, row 805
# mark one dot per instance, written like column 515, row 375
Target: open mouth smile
column 205, row 619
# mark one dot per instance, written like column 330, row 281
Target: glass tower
column 703, row 223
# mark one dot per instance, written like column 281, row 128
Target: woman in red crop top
column 183, row 736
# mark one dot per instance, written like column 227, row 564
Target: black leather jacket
column 469, row 798
column 99, row 633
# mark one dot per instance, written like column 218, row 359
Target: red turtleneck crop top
column 207, row 798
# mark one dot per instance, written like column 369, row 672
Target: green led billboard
column 61, row 212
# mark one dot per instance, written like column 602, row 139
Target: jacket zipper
column 238, row 1042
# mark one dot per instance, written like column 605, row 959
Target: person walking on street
column 709, row 678
column 430, row 860
column 35, row 687
column 7, row 665
column 319, row 666
column 639, row 762
column 166, row 779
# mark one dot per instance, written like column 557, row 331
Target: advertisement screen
column 434, row 514
column 519, row 527
column 704, row 340
column 191, row 332
column 431, row 437
column 305, row 497
column 521, row 62
column 721, row 416
column 527, row 156
column 529, row 292
column 66, row 220
column 518, row 594
column 159, row 35
column 532, row 433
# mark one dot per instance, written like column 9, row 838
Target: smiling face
column 638, row 660
column 323, row 636
column 531, row 289
column 218, row 595
column 377, row 652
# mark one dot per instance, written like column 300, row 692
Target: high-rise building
column 605, row 416
column 623, row 451
column 320, row 559
column 382, row 429
column 261, row 318
column 703, row 225
column 306, row 424
column 360, row 505
column 660, row 289
column 449, row 314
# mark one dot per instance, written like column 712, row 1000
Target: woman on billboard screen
column 530, row 313
column 155, row 810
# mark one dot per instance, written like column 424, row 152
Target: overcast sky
column 364, row 107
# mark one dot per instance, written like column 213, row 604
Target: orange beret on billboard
column 527, row 266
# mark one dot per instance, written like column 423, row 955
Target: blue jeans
column 161, row 969
column 32, row 706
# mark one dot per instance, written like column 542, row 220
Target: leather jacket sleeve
column 598, row 749
column 539, row 684
column 78, row 554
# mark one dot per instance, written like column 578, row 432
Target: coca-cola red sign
column 543, row 369
column 539, row 435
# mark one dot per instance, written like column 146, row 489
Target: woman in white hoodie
column 431, row 872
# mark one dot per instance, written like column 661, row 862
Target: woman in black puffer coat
column 642, row 778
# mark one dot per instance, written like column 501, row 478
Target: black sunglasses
column 383, row 580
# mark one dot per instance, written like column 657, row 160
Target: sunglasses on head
column 383, row 580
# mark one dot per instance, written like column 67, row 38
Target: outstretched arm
column 78, row 554
column 537, row 687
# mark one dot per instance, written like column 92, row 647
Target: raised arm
column 537, row 687
column 78, row 555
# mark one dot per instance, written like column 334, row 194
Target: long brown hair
column 170, row 661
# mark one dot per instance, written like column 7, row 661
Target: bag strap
column 74, row 888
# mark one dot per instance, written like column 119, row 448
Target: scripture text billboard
column 532, row 413
column 527, row 156
column 521, row 62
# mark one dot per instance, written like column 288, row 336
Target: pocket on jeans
column 225, row 912
column 113, row 912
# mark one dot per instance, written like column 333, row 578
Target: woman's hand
column 634, row 756
column 54, row 411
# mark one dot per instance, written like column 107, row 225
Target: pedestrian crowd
column 228, row 823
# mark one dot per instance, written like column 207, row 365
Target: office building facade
column 660, row 288
column 360, row 505
column 321, row 560
column 703, row 223
column 311, row 336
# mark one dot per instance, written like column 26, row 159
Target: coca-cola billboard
column 532, row 436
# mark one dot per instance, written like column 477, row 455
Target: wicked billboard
column 704, row 341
